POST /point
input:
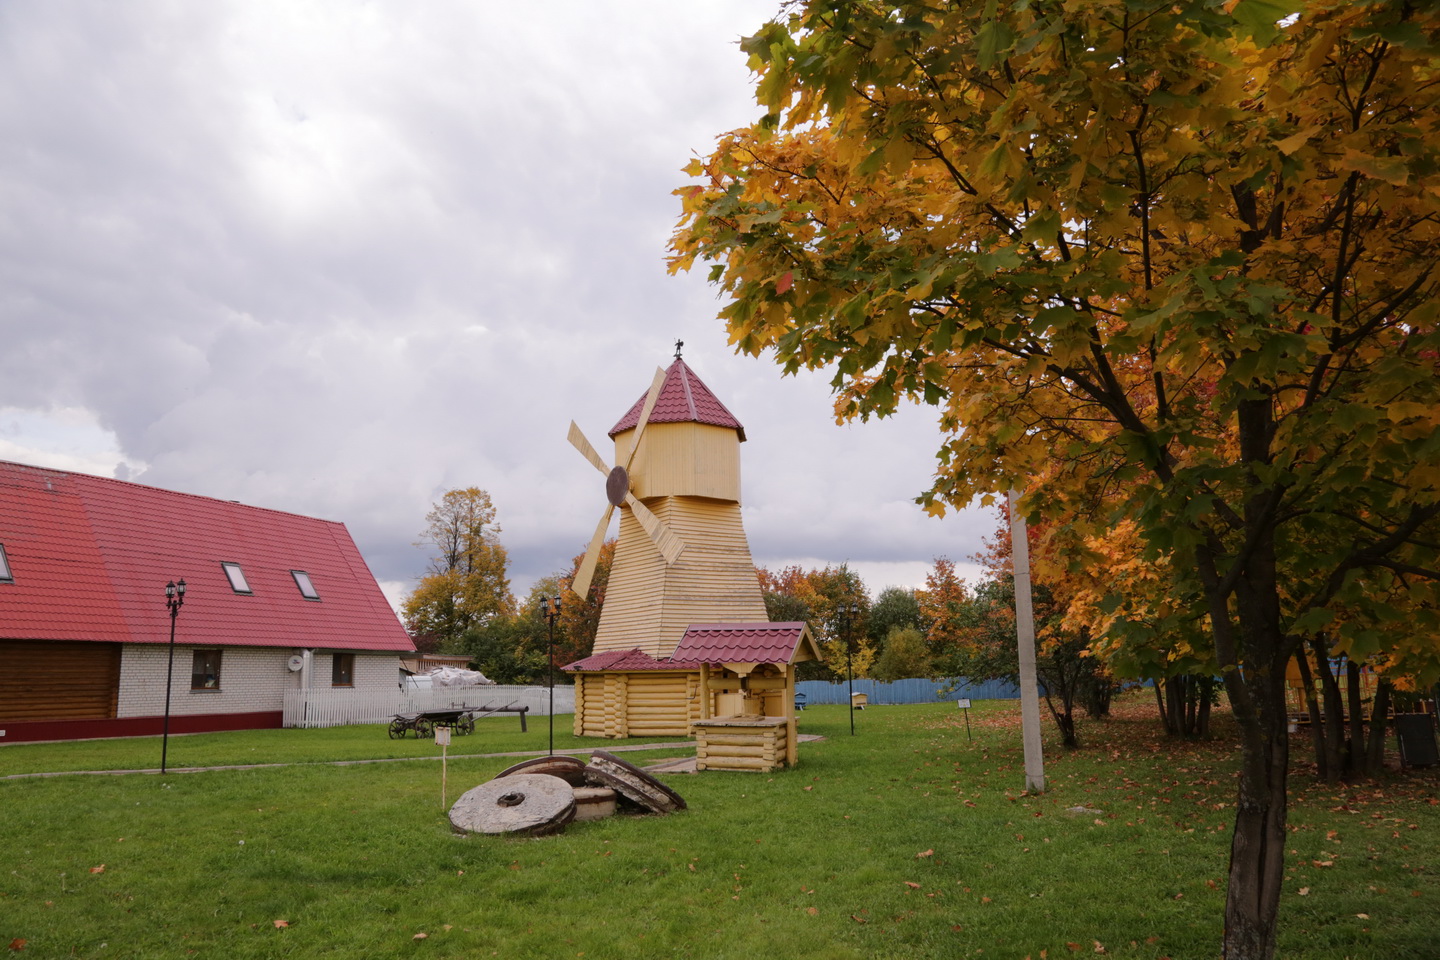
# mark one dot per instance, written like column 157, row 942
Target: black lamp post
column 550, row 609
column 846, row 611
column 174, row 600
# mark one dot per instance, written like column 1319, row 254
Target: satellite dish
column 295, row 663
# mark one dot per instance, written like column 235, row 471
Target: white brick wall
column 251, row 679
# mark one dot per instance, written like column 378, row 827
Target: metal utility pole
column 550, row 609
column 1025, row 637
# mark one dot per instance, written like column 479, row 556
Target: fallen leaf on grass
column 812, row 911
column 1072, row 947
column 912, row 885
column 1363, row 916
column 925, row 853
column 99, row 869
column 1098, row 947
column 281, row 924
column 858, row 919
column 421, row 936
column 1322, row 863
column 1304, row 891
column 18, row 943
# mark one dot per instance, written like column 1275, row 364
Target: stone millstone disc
column 529, row 803
column 569, row 769
column 635, row 784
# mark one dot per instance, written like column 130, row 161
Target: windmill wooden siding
column 649, row 605
column 683, row 460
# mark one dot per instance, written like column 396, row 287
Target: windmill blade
column 665, row 540
column 645, row 411
column 578, row 441
column 586, row 573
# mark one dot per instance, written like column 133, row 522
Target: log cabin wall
column 58, row 680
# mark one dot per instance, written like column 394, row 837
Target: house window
column 205, row 674
column 307, row 589
column 237, row 579
column 5, row 576
column 342, row 670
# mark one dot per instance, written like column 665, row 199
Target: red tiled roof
column 625, row 660
column 683, row 399
column 91, row 556
column 785, row 642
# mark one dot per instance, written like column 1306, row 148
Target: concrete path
column 676, row 765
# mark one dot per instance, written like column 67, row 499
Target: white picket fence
column 334, row 708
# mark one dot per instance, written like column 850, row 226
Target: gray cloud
column 337, row 258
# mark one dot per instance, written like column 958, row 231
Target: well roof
column 785, row 642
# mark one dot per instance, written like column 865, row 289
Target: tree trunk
column 1379, row 719
column 1257, row 850
column 1334, row 713
column 1312, row 707
column 1355, row 749
column 1160, row 703
column 1202, row 730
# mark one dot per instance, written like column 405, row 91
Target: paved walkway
column 676, row 765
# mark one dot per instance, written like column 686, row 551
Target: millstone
column 530, row 803
column 569, row 769
column 635, row 784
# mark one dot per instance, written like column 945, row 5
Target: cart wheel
column 397, row 729
column 467, row 724
column 424, row 729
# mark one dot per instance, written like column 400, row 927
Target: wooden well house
column 747, row 685
column 681, row 561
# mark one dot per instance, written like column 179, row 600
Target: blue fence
column 907, row 691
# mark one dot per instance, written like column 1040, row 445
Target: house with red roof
column 273, row 602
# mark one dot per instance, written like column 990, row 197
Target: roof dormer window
column 307, row 589
column 5, row 575
column 238, row 583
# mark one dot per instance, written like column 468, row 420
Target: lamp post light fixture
column 174, row 600
column 550, row 609
column 847, row 610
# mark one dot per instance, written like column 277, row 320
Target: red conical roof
column 683, row 399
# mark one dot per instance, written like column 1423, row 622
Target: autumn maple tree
column 467, row 583
column 1170, row 264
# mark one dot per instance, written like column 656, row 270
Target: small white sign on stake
column 442, row 737
column 963, row 703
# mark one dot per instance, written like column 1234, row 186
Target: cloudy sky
column 340, row 257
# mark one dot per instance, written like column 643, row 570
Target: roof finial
column 678, row 345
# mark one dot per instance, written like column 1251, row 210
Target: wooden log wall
column 741, row 748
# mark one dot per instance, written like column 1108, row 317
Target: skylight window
column 5, row 575
column 307, row 589
column 238, row 583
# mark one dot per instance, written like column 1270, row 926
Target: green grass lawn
column 907, row 840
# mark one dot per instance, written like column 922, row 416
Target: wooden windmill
column 683, row 646
column 681, row 556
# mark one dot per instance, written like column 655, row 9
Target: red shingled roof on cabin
column 683, row 399
column 625, row 660
column 90, row 557
column 739, row 643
